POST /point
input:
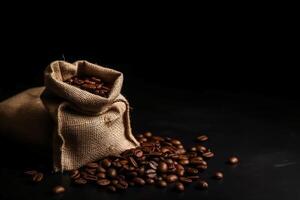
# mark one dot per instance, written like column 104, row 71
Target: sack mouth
column 60, row 71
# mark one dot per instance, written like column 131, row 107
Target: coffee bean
column 92, row 165
column 162, row 183
column 191, row 170
column 153, row 164
column 193, row 177
column 201, row 167
column 201, row 149
column 203, row 185
column 133, row 162
column 184, row 162
column 171, row 178
column 38, row 177
column 185, row 180
column 138, row 153
column 103, row 182
column 233, row 160
column 148, row 134
column 139, row 181
column 179, row 186
column 180, row 146
column 101, row 169
column 208, row 154
column 112, row 188
column 202, row 138
column 112, row 172
column 193, row 149
column 175, row 142
column 58, row 189
column 218, row 175
column 163, row 167
column 101, row 175
column 80, row 181
column 196, row 160
column 150, row 181
column 106, row 163
column 74, row 174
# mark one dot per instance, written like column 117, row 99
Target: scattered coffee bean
column 171, row 178
column 218, row 175
column 233, row 160
column 148, row 134
column 162, row 183
column 163, row 167
column 58, row 189
column 38, row 177
column 185, row 180
column 139, row 181
column 202, row 138
column 203, row 185
column 179, row 186
column 103, row 182
column 208, row 154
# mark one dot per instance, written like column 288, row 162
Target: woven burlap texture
column 88, row 127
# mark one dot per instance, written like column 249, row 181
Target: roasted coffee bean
column 171, row 178
column 80, row 181
column 112, row 188
column 193, row 177
column 90, row 171
column 153, row 164
column 179, row 186
column 139, row 181
column 106, row 163
column 101, row 169
column 92, row 165
column 38, row 177
column 193, row 149
column 191, row 170
column 74, row 174
column 181, row 151
column 162, row 183
column 233, row 160
column 147, row 134
column 103, row 182
column 185, row 180
column 175, row 142
column 201, row 148
column 165, row 149
column 101, row 175
column 203, row 185
column 218, row 175
column 184, row 162
column 158, row 138
column 208, row 154
column 58, row 189
column 124, row 162
column 138, row 153
column 150, row 181
column 196, row 160
column 151, row 173
column 201, row 167
column 202, row 138
column 133, row 162
column 180, row 146
column 116, row 164
column 112, row 172
column 180, row 170
column 163, row 167
column 114, row 181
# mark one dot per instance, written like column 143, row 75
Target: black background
column 231, row 76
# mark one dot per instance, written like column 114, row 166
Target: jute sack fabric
column 87, row 126
column 25, row 120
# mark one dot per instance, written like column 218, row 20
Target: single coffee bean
column 74, row 174
column 103, row 182
column 112, row 188
column 133, row 162
column 150, row 181
column 80, row 181
column 175, row 142
column 184, row 162
column 193, row 177
column 191, row 170
column 203, row 185
column 58, row 189
column 180, row 146
column 162, row 183
column 201, row 167
column 233, row 160
column 171, row 178
column 218, row 175
column 193, row 149
column 153, row 164
column 196, row 160
column 38, row 177
column 179, row 186
column 106, row 163
column 163, row 167
column 101, row 169
column 148, row 134
column 202, row 138
column 114, row 181
column 101, row 175
column 138, row 153
column 208, row 154
column 139, row 181
column 185, row 180
column 201, row 148
column 112, row 172
column 92, row 165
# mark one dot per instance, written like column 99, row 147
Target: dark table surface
column 263, row 131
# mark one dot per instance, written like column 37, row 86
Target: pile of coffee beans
column 91, row 84
column 160, row 161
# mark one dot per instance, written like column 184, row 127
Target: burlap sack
column 24, row 119
column 87, row 126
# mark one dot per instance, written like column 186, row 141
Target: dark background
column 232, row 76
